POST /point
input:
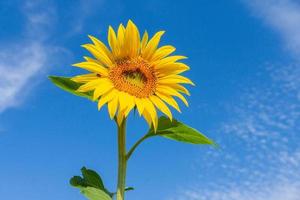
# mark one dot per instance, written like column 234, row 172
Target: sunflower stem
column 121, row 160
column 136, row 145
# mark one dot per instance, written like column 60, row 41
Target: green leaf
column 68, row 85
column 94, row 194
column 92, row 178
column 77, row 181
column 179, row 131
column 89, row 179
column 129, row 188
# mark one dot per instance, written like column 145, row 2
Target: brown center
column 134, row 76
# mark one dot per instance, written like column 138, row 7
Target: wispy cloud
column 264, row 162
column 264, row 191
column 22, row 60
column 264, row 127
column 283, row 16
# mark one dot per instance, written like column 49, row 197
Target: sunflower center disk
column 135, row 77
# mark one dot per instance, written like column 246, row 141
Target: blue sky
column 244, row 58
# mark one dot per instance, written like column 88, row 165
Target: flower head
column 133, row 73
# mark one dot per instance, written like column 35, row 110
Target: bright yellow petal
column 112, row 41
column 121, row 36
column 90, row 85
column 132, row 39
column 130, row 105
column 123, row 96
column 179, row 88
column 167, row 61
column 147, row 117
column 161, row 106
column 174, row 79
column 136, row 40
column 140, row 106
column 99, row 54
column 169, row 100
column 152, row 45
column 88, row 59
column 102, row 89
column 172, row 92
column 169, row 69
column 149, row 107
column 120, row 117
column 113, row 106
column 106, row 98
column 162, row 52
column 144, row 41
column 92, row 67
column 85, row 78
column 101, row 46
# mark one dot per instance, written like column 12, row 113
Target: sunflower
column 133, row 73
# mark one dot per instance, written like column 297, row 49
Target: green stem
column 136, row 145
column 121, row 160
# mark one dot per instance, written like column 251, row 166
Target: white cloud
column 283, row 16
column 21, row 61
column 260, row 159
column 279, row 191
column 260, row 153
column 18, row 70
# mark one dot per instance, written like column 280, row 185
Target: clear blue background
column 51, row 134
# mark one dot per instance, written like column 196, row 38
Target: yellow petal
column 99, row 54
column 85, row 78
column 172, row 92
column 130, row 105
column 152, row 45
column 149, row 107
column 171, row 69
column 167, row 61
column 132, row 39
column 88, row 59
column 106, row 98
column 169, row 100
column 93, row 67
column 173, row 65
column 90, row 85
column 121, row 36
column 112, row 41
column 161, row 106
column 113, row 106
column 120, row 117
column 140, row 106
column 147, row 117
column 135, row 39
column 144, row 41
column 179, row 88
column 162, row 52
column 174, row 79
column 102, row 89
column 101, row 46
column 123, row 96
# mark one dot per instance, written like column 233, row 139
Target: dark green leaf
column 92, row 178
column 68, row 85
column 129, row 188
column 179, row 131
column 89, row 179
column 78, row 181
